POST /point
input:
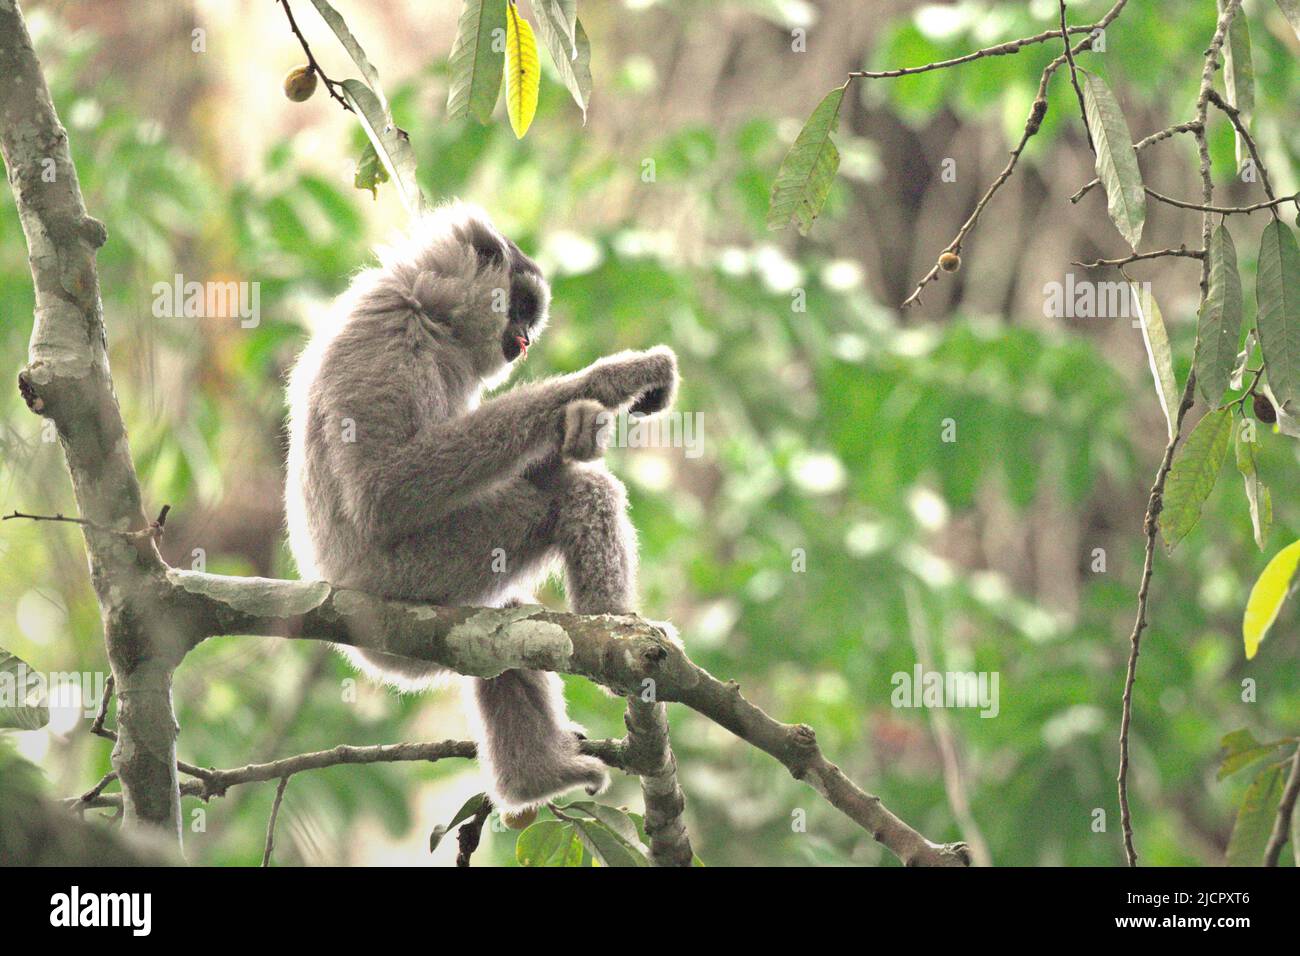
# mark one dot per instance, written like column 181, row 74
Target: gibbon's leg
column 528, row 742
column 528, row 746
column 596, row 541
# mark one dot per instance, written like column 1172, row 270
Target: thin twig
column 1074, row 77
column 1182, row 252
column 270, row 824
column 1282, row 823
column 1001, row 49
column 88, row 798
column 97, row 727
column 153, row 532
column 1234, row 115
column 330, row 85
column 209, row 783
column 1250, row 389
column 1224, row 210
column 1156, row 500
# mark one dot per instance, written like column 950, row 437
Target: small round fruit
column 1264, row 410
column 300, row 83
column 950, row 262
column 520, row 819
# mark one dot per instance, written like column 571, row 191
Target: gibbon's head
column 469, row 285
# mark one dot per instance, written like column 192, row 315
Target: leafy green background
column 821, row 427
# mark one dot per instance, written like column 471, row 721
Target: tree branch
column 618, row 651
column 215, row 783
column 1000, row 49
column 270, row 823
column 1234, row 115
column 1181, row 252
column 1224, row 210
column 649, row 754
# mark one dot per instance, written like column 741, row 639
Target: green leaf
column 1117, row 167
column 467, row 810
column 1218, row 335
column 1191, row 479
column 1255, row 818
column 1240, row 750
column 1239, row 76
column 340, row 28
column 22, row 695
column 571, row 55
column 548, row 843
column 805, row 177
column 1159, row 354
column 390, row 143
column 1267, row 597
column 1291, row 10
column 619, row 821
column 607, row 846
column 370, row 171
column 1278, row 292
column 476, row 62
column 523, row 72
column 1257, row 493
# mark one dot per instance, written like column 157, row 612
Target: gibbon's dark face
column 528, row 301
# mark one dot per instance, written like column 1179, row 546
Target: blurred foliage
column 822, row 414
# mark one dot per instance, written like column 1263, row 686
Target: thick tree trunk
column 67, row 380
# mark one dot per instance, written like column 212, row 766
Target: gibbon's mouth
column 515, row 345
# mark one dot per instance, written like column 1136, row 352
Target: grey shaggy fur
column 404, row 482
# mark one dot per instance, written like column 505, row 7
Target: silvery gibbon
column 405, row 482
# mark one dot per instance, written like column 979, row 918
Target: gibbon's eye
column 524, row 306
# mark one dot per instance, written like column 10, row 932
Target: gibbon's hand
column 645, row 380
column 587, row 427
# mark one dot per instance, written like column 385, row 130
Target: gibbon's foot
column 528, row 746
column 542, row 783
column 586, row 430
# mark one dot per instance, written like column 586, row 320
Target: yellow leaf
column 523, row 72
column 1267, row 595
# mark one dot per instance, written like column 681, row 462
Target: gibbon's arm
column 450, row 462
